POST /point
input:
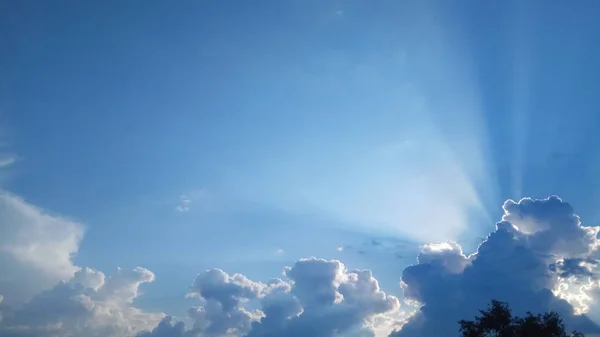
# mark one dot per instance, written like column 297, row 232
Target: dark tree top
column 498, row 321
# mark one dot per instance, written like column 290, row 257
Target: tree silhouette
column 497, row 321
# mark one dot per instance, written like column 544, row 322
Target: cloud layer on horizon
column 538, row 258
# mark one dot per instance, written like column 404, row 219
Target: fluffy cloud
column 223, row 294
column 45, row 294
column 169, row 328
column 538, row 258
column 90, row 304
column 324, row 299
column 35, row 249
column 320, row 298
column 536, row 251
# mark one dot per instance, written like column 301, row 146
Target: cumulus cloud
column 448, row 255
column 45, row 294
column 536, row 251
column 168, row 327
column 90, row 304
column 222, row 312
column 35, row 249
column 324, row 299
column 539, row 258
column 319, row 298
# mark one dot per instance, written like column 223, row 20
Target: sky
column 291, row 168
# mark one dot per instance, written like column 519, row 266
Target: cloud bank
column 538, row 258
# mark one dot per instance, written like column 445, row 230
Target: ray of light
column 423, row 173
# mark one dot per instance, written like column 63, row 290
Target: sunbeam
column 297, row 168
column 433, row 149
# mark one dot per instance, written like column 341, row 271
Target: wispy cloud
column 7, row 160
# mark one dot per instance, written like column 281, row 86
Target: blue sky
column 246, row 135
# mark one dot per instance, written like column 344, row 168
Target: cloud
column 36, row 248
column 7, row 159
column 223, row 296
column 536, row 251
column 539, row 258
column 320, row 298
column 184, row 204
column 324, row 299
column 90, row 304
column 45, row 294
column 381, row 246
column 168, row 327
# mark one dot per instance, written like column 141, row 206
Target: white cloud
column 46, row 294
column 321, row 298
column 324, row 299
column 36, row 248
column 88, row 305
column 447, row 254
column 539, row 258
column 223, row 294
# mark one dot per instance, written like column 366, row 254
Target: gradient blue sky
column 247, row 134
